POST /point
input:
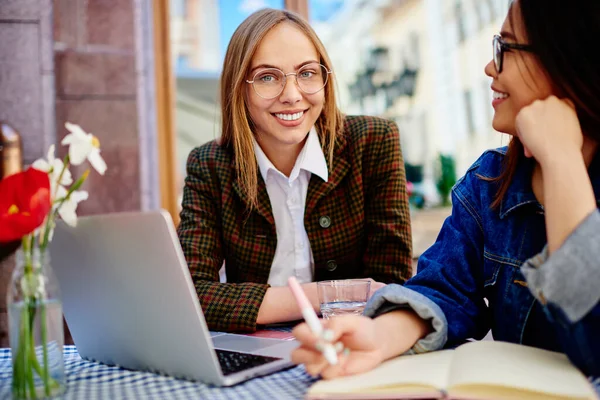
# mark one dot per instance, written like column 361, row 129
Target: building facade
column 195, row 38
column 420, row 63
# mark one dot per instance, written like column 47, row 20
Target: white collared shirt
column 293, row 255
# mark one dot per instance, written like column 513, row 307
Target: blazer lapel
column 264, row 204
column 318, row 189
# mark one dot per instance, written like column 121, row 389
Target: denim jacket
column 489, row 269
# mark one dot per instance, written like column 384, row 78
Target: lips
column 498, row 96
column 289, row 116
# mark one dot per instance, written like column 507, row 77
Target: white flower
column 67, row 210
column 83, row 146
column 54, row 166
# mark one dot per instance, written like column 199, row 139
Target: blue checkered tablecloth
column 90, row 381
column 87, row 380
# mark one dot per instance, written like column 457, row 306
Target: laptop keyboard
column 232, row 362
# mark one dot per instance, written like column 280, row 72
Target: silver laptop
column 129, row 300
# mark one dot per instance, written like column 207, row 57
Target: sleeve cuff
column 570, row 277
column 395, row 297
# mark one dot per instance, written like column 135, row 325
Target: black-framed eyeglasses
column 268, row 83
column 500, row 47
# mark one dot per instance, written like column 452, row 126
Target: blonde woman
column 292, row 187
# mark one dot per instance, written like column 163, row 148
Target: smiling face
column 282, row 123
column 522, row 79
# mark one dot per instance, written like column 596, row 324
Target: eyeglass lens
column 270, row 82
column 497, row 53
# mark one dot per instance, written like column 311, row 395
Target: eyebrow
column 508, row 35
column 296, row 67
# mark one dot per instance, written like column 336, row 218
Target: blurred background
column 417, row 62
column 143, row 76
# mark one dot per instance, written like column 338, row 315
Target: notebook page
column 429, row 371
column 489, row 363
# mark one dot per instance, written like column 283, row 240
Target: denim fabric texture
column 474, row 274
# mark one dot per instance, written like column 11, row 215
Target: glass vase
column 35, row 322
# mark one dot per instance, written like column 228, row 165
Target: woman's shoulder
column 211, row 155
column 211, row 151
column 479, row 177
column 489, row 164
column 359, row 126
column 364, row 133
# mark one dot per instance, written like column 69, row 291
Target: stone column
column 26, row 92
column 89, row 62
column 104, row 83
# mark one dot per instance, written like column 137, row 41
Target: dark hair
column 564, row 38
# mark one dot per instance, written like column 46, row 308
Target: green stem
column 66, row 163
column 31, row 333
column 26, row 364
column 25, row 342
column 19, row 357
column 26, row 244
column 22, row 376
column 44, row 375
column 43, row 241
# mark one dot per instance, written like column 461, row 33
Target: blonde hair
column 236, row 122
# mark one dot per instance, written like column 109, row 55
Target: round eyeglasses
column 268, row 83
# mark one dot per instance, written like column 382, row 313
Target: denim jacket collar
column 520, row 192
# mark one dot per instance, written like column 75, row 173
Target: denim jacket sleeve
column 567, row 285
column 447, row 288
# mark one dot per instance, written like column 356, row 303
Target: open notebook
column 475, row 370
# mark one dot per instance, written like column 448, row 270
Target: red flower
column 24, row 203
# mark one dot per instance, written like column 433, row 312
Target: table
column 90, row 381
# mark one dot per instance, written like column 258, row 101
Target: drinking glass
column 341, row 297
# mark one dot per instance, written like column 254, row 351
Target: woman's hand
column 548, row 129
column 356, row 333
column 367, row 342
column 550, row 132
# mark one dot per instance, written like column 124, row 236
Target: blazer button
column 331, row 265
column 325, row 221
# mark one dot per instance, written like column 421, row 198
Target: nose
column 490, row 69
column 291, row 92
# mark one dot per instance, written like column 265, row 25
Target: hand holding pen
column 324, row 345
column 354, row 340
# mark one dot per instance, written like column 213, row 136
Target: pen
column 312, row 320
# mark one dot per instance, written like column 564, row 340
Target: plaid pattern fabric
column 358, row 223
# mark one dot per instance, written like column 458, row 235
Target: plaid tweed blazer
column 358, row 223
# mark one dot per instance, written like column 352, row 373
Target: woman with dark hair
column 519, row 254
